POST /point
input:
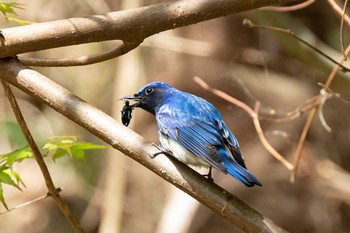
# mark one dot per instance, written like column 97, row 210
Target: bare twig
column 53, row 192
column 342, row 27
column 82, row 60
column 292, row 115
column 253, row 114
column 29, row 202
column 312, row 115
column 337, row 8
column 290, row 32
column 332, row 93
column 289, row 8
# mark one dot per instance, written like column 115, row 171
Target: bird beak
column 137, row 99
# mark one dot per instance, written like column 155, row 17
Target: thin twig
column 264, row 141
column 289, row 8
column 312, row 116
column 292, row 115
column 250, row 24
column 341, row 29
column 29, row 202
column 253, row 114
column 337, row 8
column 82, row 60
column 53, row 191
column 302, row 140
column 332, row 93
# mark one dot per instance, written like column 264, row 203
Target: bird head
column 151, row 96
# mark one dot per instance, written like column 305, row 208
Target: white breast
column 181, row 153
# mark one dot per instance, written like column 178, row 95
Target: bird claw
column 208, row 176
column 162, row 151
column 152, row 156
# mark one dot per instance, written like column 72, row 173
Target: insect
column 126, row 113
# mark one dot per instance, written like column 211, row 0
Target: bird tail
column 239, row 172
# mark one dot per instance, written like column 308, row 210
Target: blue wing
column 197, row 126
column 198, row 137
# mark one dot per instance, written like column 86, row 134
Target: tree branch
column 295, row 7
column 82, row 60
column 132, row 25
column 136, row 147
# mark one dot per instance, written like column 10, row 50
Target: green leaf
column 56, row 147
column 9, row 8
column 51, row 148
column 68, row 145
column 78, row 153
column 19, row 21
column 58, row 154
column 19, row 155
column 2, row 199
column 78, row 150
column 6, row 179
column 15, row 176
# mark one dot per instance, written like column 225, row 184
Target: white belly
column 181, row 153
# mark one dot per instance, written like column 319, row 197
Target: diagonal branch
column 133, row 25
column 136, row 147
column 53, row 192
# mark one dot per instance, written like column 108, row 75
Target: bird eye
column 149, row 91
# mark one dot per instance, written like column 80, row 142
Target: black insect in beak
column 126, row 112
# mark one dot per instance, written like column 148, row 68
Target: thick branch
column 133, row 145
column 132, row 25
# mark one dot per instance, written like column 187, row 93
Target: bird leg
column 162, row 151
column 208, row 176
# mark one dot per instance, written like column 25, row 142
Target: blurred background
column 109, row 192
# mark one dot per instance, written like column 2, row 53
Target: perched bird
column 192, row 130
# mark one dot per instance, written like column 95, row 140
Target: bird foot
column 208, row 176
column 162, row 151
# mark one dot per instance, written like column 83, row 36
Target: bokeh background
column 111, row 193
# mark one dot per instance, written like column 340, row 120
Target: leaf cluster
column 9, row 8
column 56, row 147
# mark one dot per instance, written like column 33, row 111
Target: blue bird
column 192, row 130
